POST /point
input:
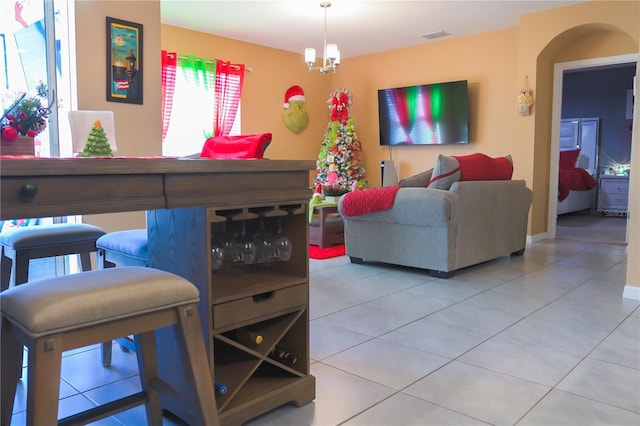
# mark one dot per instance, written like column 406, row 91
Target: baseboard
column 537, row 238
column 631, row 292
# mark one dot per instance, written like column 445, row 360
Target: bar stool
column 20, row 245
column 54, row 315
column 123, row 248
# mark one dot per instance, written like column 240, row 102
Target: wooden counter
column 56, row 187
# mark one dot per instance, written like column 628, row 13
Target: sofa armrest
column 492, row 220
column 416, row 206
column 496, row 198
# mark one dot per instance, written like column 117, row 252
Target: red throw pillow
column 569, row 159
column 241, row 146
column 469, row 167
column 481, row 167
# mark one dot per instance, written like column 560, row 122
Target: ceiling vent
column 437, row 34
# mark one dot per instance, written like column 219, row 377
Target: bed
column 576, row 186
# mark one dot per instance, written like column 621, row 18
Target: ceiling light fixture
column 330, row 52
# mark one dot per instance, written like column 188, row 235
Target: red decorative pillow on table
column 236, row 147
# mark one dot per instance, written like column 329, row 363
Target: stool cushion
column 87, row 298
column 49, row 235
column 131, row 243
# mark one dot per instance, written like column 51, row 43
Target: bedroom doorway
column 584, row 225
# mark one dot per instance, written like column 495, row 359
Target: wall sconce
column 525, row 99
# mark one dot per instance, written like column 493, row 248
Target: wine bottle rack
column 272, row 300
column 239, row 365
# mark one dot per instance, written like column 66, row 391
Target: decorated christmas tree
column 97, row 143
column 339, row 165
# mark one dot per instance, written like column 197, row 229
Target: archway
column 573, row 45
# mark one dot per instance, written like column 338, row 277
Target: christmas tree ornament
column 525, row 100
column 97, row 143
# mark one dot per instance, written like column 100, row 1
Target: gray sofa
column 443, row 230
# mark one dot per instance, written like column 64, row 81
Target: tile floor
column 543, row 339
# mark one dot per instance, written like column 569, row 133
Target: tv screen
column 428, row 114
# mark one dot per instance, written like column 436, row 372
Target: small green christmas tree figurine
column 97, row 143
column 339, row 166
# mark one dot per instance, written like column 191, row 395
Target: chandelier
column 330, row 52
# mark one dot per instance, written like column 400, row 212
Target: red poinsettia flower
column 9, row 134
column 28, row 117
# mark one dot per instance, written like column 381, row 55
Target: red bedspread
column 573, row 179
column 368, row 201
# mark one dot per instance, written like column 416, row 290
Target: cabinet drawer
column 609, row 201
column 60, row 196
column 248, row 308
column 614, row 186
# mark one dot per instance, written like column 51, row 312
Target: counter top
column 41, row 187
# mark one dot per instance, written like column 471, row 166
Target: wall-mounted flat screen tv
column 428, row 114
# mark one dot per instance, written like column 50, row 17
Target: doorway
column 600, row 228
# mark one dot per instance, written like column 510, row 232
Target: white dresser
column 613, row 193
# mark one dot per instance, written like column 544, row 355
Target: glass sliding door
column 35, row 43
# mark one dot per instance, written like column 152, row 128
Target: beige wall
column 486, row 61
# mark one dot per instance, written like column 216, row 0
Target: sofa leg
column 518, row 253
column 441, row 274
column 357, row 260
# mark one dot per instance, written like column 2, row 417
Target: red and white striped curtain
column 169, row 60
column 229, row 80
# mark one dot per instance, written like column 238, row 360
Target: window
column 190, row 103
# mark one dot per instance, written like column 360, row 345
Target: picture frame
column 124, row 61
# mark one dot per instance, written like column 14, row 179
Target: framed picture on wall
column 124, row 61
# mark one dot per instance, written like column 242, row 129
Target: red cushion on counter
column 241, row 146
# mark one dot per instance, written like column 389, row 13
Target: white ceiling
column 359, row 27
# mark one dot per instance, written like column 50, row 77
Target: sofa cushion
column 569, row 159
column 419, row 180
column 469, row 167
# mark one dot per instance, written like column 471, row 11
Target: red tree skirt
column 316, row 252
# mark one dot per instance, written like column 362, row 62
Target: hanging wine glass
column 217, row 255
column 244, row 249
column 227, row 239
column 282, row 245
column 264, row 245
